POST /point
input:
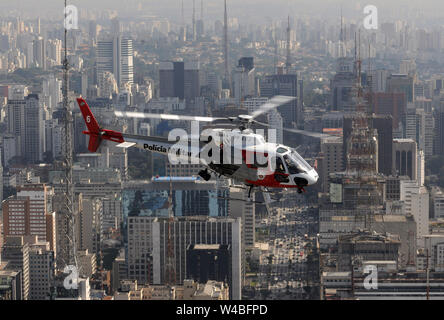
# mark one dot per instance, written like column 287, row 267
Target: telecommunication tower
column 170, row 269
column 68, row 159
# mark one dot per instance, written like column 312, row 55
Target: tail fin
column 91, row 123
column 96, row 134
column 88, row 116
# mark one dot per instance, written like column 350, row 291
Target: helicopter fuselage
column 239, row 154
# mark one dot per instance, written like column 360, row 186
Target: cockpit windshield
column 299, row 161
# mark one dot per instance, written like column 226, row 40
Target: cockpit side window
column 291, row 165
column 280, row 168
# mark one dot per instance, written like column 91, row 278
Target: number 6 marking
column 88, row 119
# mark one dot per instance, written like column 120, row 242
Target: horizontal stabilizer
column 126, row 145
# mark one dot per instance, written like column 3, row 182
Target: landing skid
column 301, row 190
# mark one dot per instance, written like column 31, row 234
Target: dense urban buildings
column 367, row 115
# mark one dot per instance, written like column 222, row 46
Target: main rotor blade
column 271, row 104
column 312, row 134
column 142, row 115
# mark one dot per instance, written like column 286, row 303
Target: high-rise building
column 52, row 92
column 244, row 78
column 41, row 270
column 149, row 248
column 439, row 128
column 54, row 50
column 401, row 83
column 116, row 56
column 16, row 123
column 179, row 79
column 437, row 203
column 25, row 122
column 89, row 225
column 92, row 31
column 53, row 138
column 15, row 252
column 87, row 263
column 27, row 213
column 342, row 86
column 276, row 121
column 434, row 243
column 208, row 262
column 379, row 80
column 107, row 85
column 405, row 158
column 34, row 130
column 111, row 214
column 191, row 197
column 332, row 159
column 11, row 288
column 416, row 200
column 246, row 211
column 384, row 127
column 284, row 84
column 393, row 104
column 39, row 53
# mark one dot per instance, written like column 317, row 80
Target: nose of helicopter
column 312, row 177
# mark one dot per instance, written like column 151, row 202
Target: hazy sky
column 245, row 10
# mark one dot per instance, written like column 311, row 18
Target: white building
column 276, row 122
column 51, row 92
column 54, row 50
column 437, row 202
column 416, row 199
column 116, row 57
column 244, row 79
column 252, row 104
column 434, row 243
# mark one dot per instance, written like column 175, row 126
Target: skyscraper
column 41, row 270
column 342, row 86
column 179, row 79
column 405, row 158
column 287, row 85
column 393, row 104
column 244, row 78
column 26, row 214
column 116, row 57
column 39, row 53
column 148, row 247
column 401, row 83
column 15, row 252
column 34, row 130
column 25, row 122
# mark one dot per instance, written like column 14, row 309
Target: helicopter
column 238, row 154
